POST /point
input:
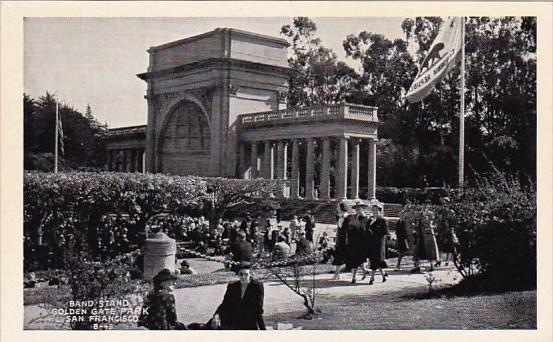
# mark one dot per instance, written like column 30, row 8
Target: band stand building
column 217, row 107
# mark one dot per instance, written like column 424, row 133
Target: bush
column 495, row 222
column 69, row 208
column 413, row 195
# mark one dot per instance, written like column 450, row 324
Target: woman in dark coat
column 162, row 314
column 242, row 306
column 378, row 228
column 356, row 242
column 402, row 239
column 340, row 248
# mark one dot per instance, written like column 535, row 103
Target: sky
column 95, row 60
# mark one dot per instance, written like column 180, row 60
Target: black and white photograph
column 291, row 171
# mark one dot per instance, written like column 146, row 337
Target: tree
column 28, row 128
column 84, row 143
column 224, row 193
column 318, row 77
column 501, row 93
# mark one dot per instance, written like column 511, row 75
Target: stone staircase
column 323, row 210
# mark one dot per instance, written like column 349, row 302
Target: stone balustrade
column 317, row 113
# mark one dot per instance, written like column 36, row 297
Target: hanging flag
column 60, row 134
column 439, row 60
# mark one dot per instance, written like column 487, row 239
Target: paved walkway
column 198, row 304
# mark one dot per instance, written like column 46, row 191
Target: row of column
column 126, row 160
column 276, row 168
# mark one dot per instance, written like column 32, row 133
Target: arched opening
column 185, row 141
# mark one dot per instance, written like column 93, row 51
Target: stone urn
column 159, row 253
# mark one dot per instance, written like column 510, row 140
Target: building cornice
column 223, row 31
column 216, row 63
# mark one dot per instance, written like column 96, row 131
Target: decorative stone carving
column 232, row 89
column 282, row 96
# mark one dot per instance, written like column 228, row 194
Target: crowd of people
column 360, row 245
column 362, row 235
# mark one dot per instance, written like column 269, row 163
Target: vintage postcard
column 344, row 167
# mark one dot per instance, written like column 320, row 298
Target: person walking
column 402, row 239
column 340, row 248
column 242, row 306
column 426, row 246
column 378, row 228
column 356, row 241
column 446, row 237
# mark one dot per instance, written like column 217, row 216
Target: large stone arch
column 184, row 140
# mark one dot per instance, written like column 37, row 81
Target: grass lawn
column 509, row 310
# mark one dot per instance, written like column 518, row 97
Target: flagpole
column 56, row 141
column 462, row 113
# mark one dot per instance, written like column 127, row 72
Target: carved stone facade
column 217, row 107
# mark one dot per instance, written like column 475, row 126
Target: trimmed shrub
column 413, row 195
column 495, row 222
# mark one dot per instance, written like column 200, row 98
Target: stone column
column 116, row 160
column 132, row 160
column 309, row 168
column 253, row 161
column 325, row 170
column 128, row 167
column 268, row 160
column 285, row 160
column 150, row 129
column 371, row 185
column 108, row 160
column 144, row 161
column 342, row 178
column 294, row 186
column 241, row 162
column 124, row 158
column 138, row 160
column 355, row 169
column 280, row 161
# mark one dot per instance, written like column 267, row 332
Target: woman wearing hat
column 378, row 228
column 160, row 304
column 242, row 306
column 340, row 248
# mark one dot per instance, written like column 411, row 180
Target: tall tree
column 501, row 92
column 84, row 144
column 318, row 77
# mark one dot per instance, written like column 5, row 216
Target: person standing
column 241, row 250
column 378, row 228
column 309, row 226
column 294, row 227
column 242, row 306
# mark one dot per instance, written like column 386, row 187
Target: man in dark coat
column 378, row 230
column 242, row 306
column 241, row 250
